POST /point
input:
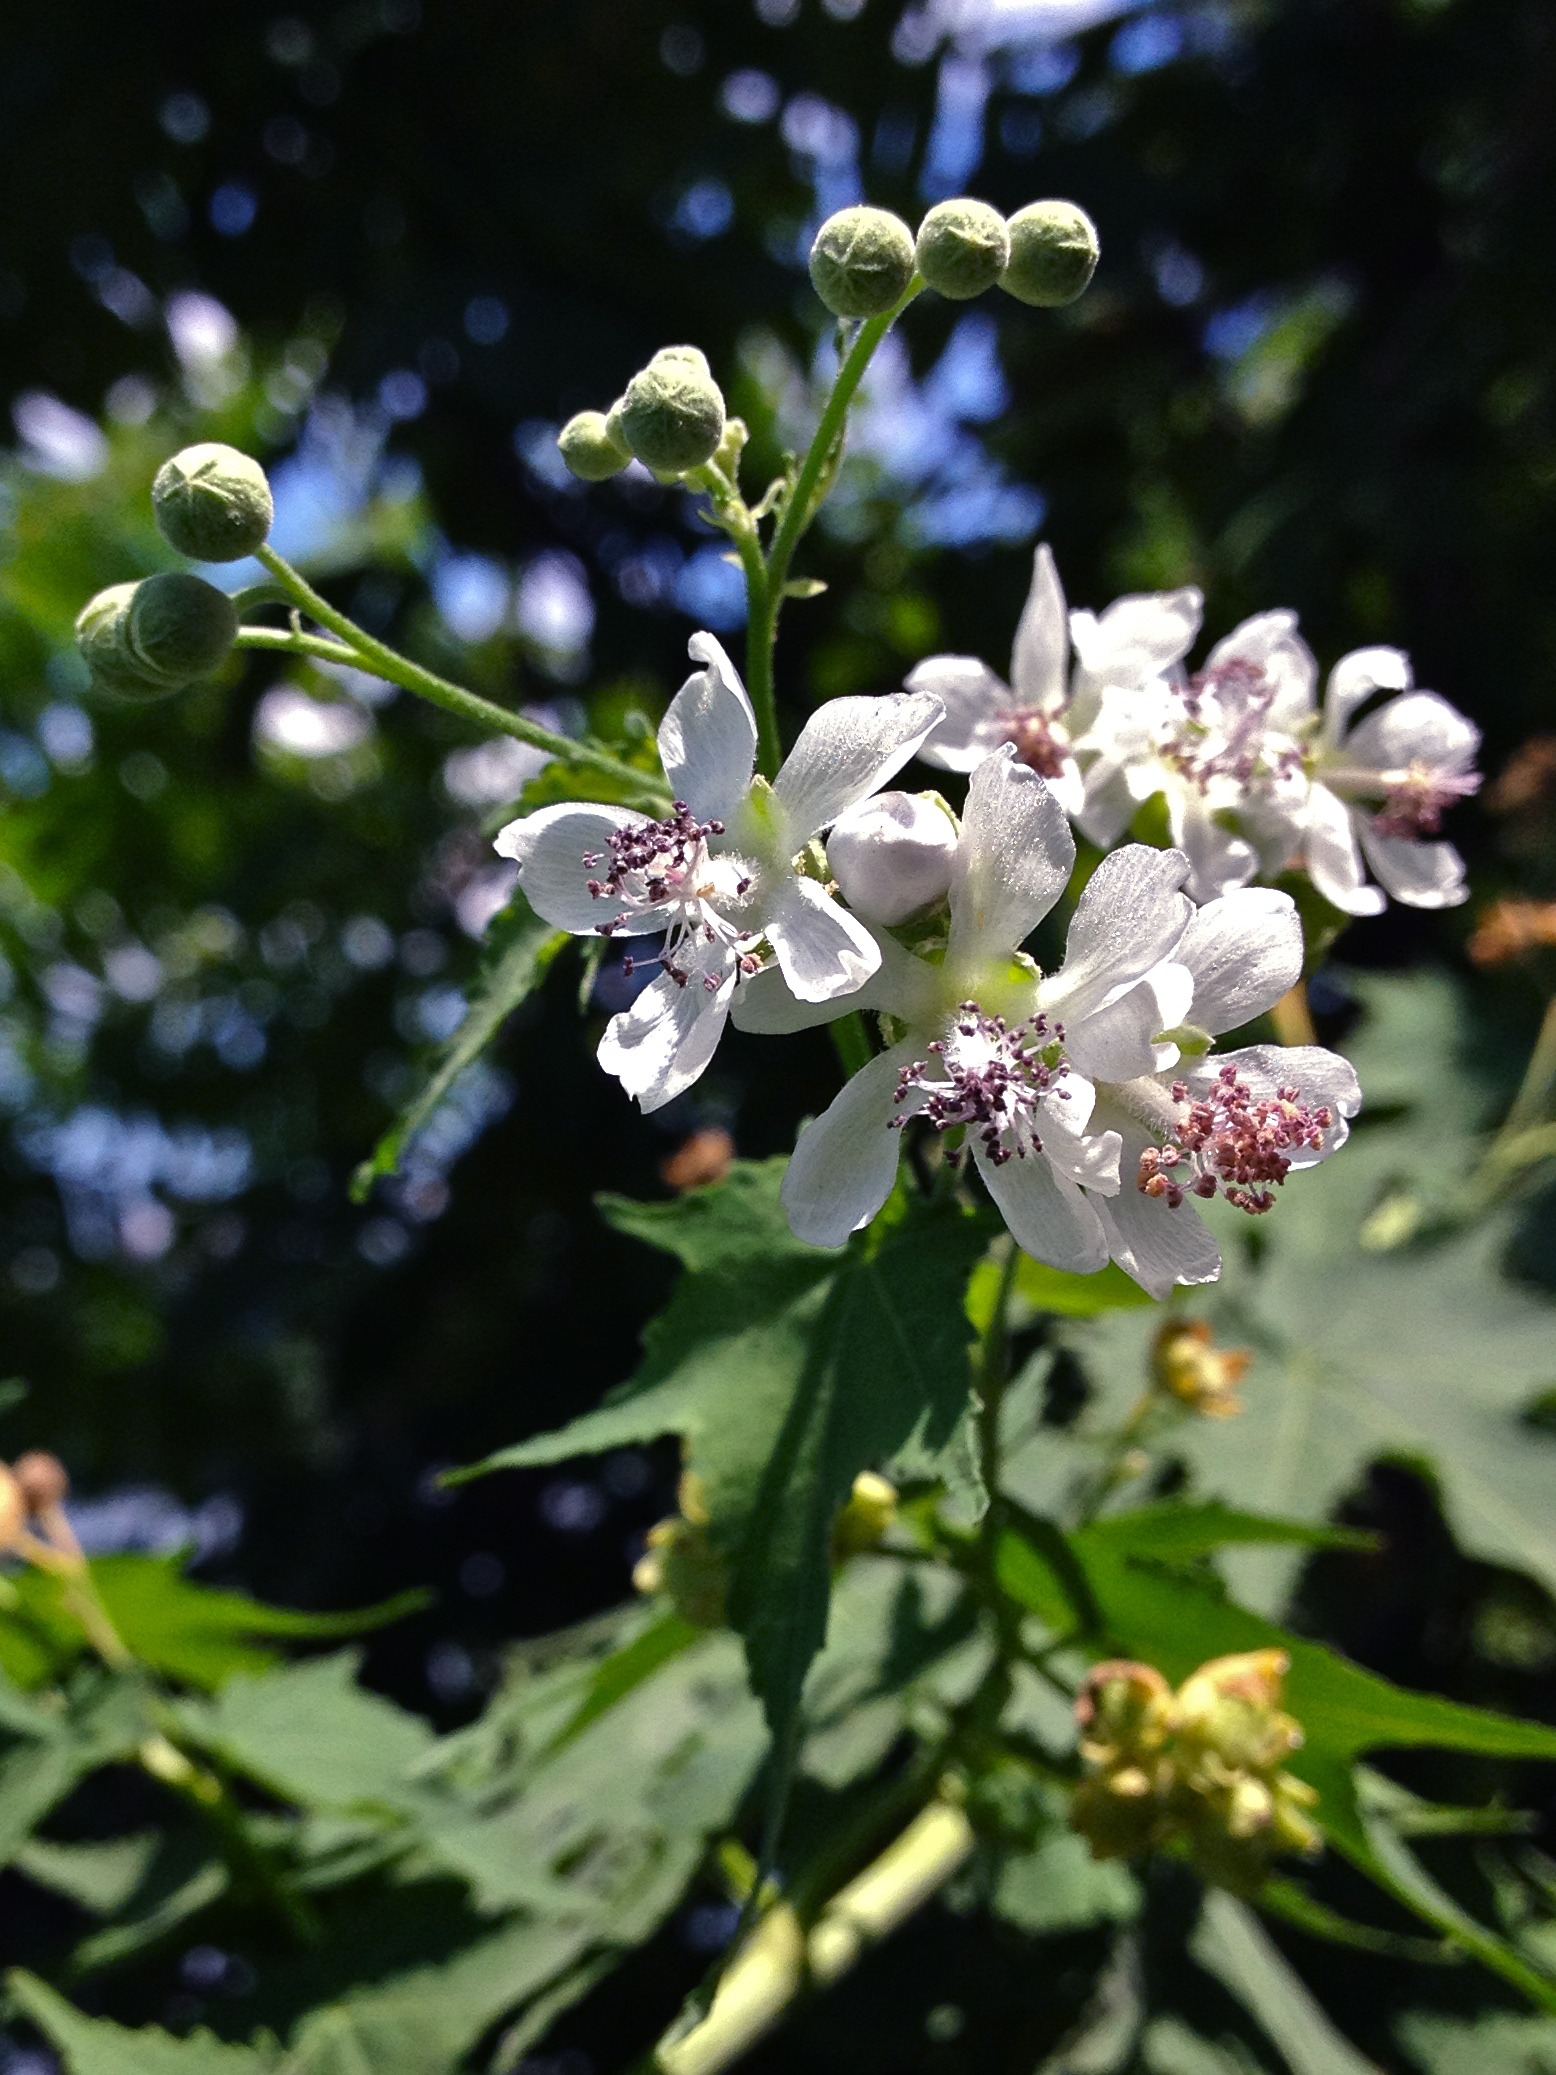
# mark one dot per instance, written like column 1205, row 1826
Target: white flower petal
column 1333, row 861
column 1418, row 875
column 660, row 1046
column 845, row 1161
column 1114, row 1043
column 1047, row 1215
column 1108, row 805
column 972, row 696
column 551, row 846
column 1219, row 860
column 1271, row 641
column 1013, row 860
column 846, row 751
column 1088, row 1157
column 1419, row 728
column 822, row 950
column 1158, row 1247
column 1037, row 663
column 1318, row 1075
column 707, row 739
column 1137, row 637
column 1244, row 952
column 1128, row 919
column 1355, row 678
column 901, row 985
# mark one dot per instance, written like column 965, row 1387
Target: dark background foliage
column 1316, row 369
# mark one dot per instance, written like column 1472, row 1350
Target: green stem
column 851, row 1042
column 289, row 641
column 765, row 597
column 383, row 661
column 1525, row 1136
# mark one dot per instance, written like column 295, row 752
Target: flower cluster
column 1084, row 1097
column 1200, row 1767
column 1257, row 775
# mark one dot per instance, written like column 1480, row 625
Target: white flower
column 1222, row 745
column 1382, row 785
column 991, row 1044
column 1203, row 1126
column 717, row 877
column 1044, row 708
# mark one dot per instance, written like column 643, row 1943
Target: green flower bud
column 962, row 248
column 672, row 416
column 100, row 639
column 1053, row 254
column 212, row 503
column 178, row 627
column 586, row 446
column 686, row 356
column 862, row 261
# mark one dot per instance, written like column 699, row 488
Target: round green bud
column 672, row 416
column 862, row 261
column 962, row 247
column 212, row 503
column 177, row 627
column 587, row 447
column 100, row 639
column 1053, row 254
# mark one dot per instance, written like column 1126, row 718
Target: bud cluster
column 683, row 1562
column 144, row 639
column 670, row 417
column 864, row 260
column 1199, row 1767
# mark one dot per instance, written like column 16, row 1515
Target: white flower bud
column 892, row 855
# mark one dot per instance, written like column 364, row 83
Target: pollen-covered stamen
column 1040, row 744
column 1220, row 727
column 990, row 1075
column 1232, row 1140
column 1413, row 805
column 654, row 860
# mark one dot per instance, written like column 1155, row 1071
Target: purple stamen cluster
column 1235, row 724
column 663, row 852
column 1010, row 1068
column 1231, row 1140
column 1413, row 806
column 1036, row 744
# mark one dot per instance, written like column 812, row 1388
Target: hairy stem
column 765, row 598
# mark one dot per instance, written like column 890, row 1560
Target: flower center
column 1231, row 1140
column 666, row 864
column 1219, row 727
column 991, row 1075
column 1041, row 744
column 653, row 862
column 1414, row 802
